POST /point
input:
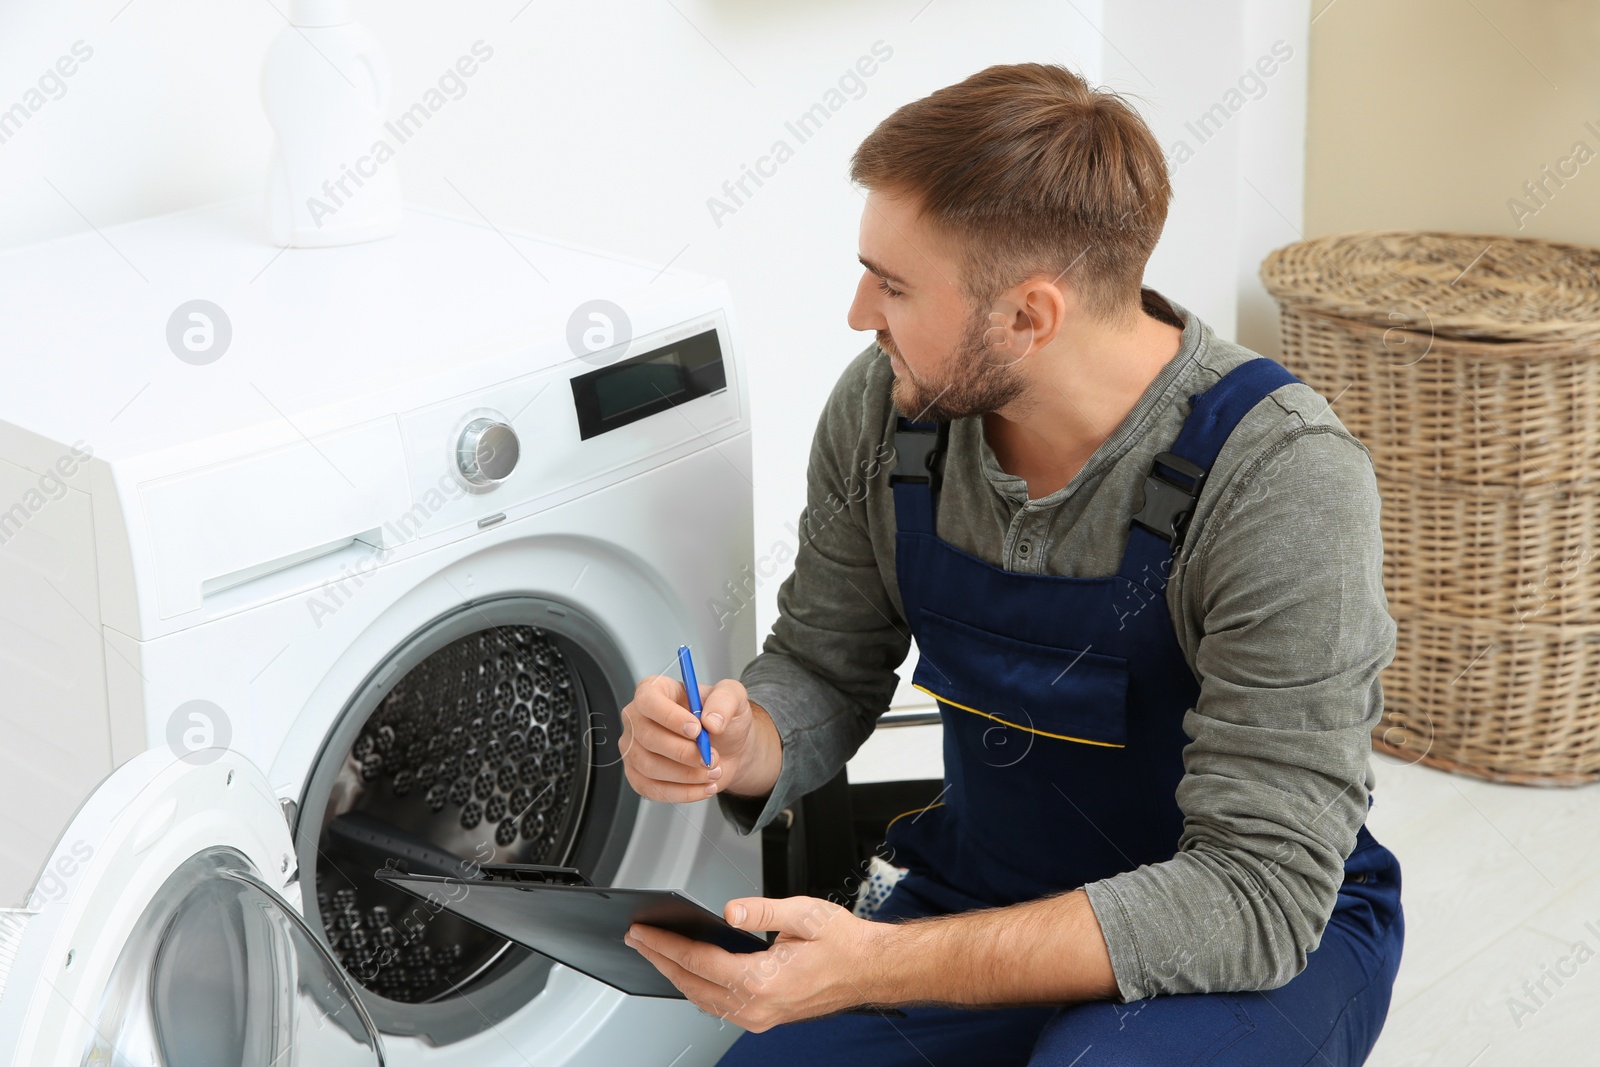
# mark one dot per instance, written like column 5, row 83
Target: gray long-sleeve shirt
column 1276, row 598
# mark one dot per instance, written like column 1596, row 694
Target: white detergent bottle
column 325, row 86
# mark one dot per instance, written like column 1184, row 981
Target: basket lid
column 1475, row 286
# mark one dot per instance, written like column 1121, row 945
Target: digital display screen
column 640, row 385
column 647, row 384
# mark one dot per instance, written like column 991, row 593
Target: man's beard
column 979, row 382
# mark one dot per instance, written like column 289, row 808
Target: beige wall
column 1431, row 114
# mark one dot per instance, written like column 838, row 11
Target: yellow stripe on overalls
column 913, row 811
column 1015, row 726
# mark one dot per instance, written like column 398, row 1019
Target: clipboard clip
column 533, row 874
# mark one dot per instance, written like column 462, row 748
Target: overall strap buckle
column 918, row 449
column 1168, row 501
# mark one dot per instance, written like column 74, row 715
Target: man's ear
column 1049, row 302
column 1026, row 317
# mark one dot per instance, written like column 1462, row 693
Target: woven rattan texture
column 1441, row 409
column 1446, row 284
column 1488, row 460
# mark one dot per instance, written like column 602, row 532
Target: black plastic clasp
column 1168, row 502
column 916, row 453
column 535, row 873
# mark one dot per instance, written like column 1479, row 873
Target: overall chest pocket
column 1067, row 694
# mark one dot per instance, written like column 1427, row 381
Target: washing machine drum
column 484, row 739
column 478, row 754
column 167, row 934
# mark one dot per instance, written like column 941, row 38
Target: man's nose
column 864, row 314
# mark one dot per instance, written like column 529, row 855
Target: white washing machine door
column 166, row 932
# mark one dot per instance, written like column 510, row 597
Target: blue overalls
column 1062, row 701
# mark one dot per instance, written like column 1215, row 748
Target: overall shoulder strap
column 1178, row 477
column 918, row 467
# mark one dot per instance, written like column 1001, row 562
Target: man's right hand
column 660, row 753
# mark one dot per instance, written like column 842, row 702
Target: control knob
column 487, row 452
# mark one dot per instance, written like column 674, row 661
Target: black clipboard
column 556, row 912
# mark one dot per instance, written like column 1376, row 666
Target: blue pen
column 686, row 664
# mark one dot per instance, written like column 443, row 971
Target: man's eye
column 883, row 286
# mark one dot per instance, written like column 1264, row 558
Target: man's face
column 942, row 350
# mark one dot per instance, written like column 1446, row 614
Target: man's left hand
column 822, row 962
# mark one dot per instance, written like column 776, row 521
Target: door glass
column 219, row 970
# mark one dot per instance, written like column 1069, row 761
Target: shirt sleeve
column 827, row 669
column 1286, row 585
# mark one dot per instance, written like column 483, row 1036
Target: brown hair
column 1030, row 170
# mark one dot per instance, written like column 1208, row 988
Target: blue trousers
column 1329, row 1014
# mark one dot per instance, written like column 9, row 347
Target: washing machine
column 315, row 560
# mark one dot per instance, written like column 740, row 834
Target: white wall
column 1238, row 176
column 612, row 124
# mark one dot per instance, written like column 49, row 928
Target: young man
column 1142, row 567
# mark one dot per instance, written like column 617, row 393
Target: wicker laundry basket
column 1469, row 365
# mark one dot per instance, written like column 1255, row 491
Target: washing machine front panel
column 298, row 502
column 178, row 939
column 649, row 559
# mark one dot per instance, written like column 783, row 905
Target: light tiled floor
column 1502, row 888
